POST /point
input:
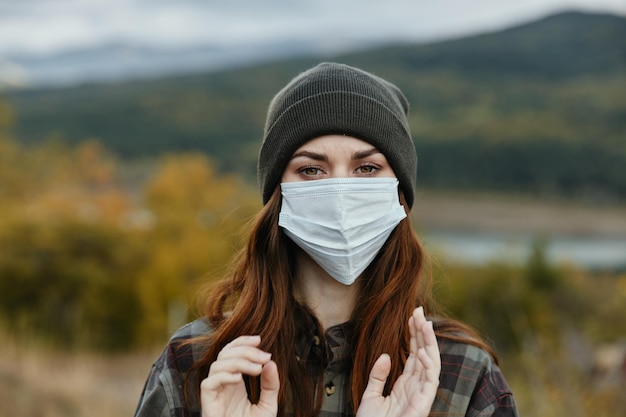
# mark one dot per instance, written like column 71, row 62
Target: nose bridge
column 339, row 164
column 343, row 215
column 340, row 170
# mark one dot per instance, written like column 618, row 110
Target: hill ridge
column 534, row 108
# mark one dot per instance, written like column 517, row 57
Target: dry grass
column 545, row 384
column 38, row 383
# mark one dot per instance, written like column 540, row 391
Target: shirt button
column 330, row 388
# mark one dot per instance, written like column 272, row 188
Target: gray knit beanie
column 337, row 99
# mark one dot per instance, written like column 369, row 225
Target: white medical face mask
column 341, row 223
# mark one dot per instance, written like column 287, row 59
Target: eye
column 310, row 170
column 367, row 169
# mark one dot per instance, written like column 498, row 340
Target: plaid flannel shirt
column 471, row 384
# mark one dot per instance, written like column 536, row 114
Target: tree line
column 98, row 253
column 537, row 109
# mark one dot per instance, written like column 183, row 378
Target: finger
column 416, row 340
column 426, row 361
column 413, row 330
column 216, row 380
column 244, row 359
column 431, row 346
column 270, row 385
column 236, row 365
column 241, row 341
column 409, row 366
column 430, row 377
column 378, row 377
column 233, row 363
column 253, row 354
column 430, row 340
column 419, row 320
column 252, row 340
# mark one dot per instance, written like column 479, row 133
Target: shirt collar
column 332, row 352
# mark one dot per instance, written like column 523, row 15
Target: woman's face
column 336, row 156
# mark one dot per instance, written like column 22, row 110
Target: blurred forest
column 96, row 258
column 118, row 202
column 93, row 258
column 536, row 109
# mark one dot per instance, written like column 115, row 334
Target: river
column 589, row 252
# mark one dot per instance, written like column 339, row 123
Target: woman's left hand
column 414, row 391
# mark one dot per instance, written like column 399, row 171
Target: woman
column 323, row 313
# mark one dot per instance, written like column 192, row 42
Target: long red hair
column 256, row 297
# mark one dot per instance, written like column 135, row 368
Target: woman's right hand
column 223, row 392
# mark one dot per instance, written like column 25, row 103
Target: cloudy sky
column 48, row 26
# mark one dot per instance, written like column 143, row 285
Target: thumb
column 378, row 377
column 270, row 385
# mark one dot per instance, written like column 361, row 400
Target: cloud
column 45, row 26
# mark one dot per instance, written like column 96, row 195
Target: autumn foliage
column 96, row 257
column 103, row 255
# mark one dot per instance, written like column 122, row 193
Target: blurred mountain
column 538, row 108
column 562, row 45
column 122, row 61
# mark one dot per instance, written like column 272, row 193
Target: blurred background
column 129, row 131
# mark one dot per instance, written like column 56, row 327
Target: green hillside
column 539, row 108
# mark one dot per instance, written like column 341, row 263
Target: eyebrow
column 324, row 158
column 313, row 155
column 365, row 153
